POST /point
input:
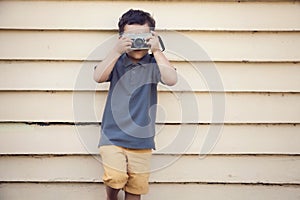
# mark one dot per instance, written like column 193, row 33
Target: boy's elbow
column 171, row 81
column 96, row 79
column 99, row 79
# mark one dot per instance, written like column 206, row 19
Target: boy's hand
column 123, row 44
column 153, row 42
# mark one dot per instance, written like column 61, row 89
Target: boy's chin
column 137, row 54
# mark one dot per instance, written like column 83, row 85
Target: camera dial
column 139, row 42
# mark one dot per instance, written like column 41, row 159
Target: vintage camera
column 138, row 40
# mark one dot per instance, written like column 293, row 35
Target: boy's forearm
column 167, row 71
column 104, row 68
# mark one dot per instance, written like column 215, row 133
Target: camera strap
column 161, row 43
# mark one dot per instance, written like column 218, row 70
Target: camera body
column 138, row 40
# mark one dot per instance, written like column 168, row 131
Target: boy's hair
column 135, row 17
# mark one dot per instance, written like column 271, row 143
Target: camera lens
column 139, row 42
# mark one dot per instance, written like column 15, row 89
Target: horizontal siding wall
column 50, row 108
column 88, row 107
column 220, row 46
column 264, row 15
column 62, row 76
column 83, row 139
column 94, row 191
column 234, row 169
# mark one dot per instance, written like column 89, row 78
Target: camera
column 138, row 40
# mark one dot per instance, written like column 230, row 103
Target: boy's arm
column 167, row 71
column 104, row 68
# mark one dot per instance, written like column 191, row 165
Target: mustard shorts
column 127, row 169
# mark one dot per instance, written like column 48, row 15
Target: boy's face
column 136, row 28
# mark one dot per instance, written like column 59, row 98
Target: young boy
column 128, row 124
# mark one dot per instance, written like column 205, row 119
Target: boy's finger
column 154, row 33
column 124, row 38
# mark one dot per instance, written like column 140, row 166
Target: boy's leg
column 112, row 194
column 129, row 196
column 138, row 172
column 115, row 170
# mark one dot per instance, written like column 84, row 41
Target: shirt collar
column 127, row 62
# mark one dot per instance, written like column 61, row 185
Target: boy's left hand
column 153, row 42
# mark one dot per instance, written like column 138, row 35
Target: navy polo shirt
column 130, row 111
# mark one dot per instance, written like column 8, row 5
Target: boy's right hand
column 123, row 45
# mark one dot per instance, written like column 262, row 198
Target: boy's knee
column 137, row 184
column 115, row 179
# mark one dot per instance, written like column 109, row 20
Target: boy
column 127, row 129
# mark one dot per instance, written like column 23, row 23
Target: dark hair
column 135, row 17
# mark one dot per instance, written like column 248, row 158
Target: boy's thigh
column 138, row 171
column 114, row 163
column 138, row 160
column 126, row 168
column 126, row 160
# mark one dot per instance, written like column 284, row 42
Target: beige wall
column 46, row 85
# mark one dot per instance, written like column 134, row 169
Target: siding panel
column 235, row 76
column 95, row 191
column 25, row 139
column 166, row 169
column 174, row 107
column 201, row 15
column 219, row 46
